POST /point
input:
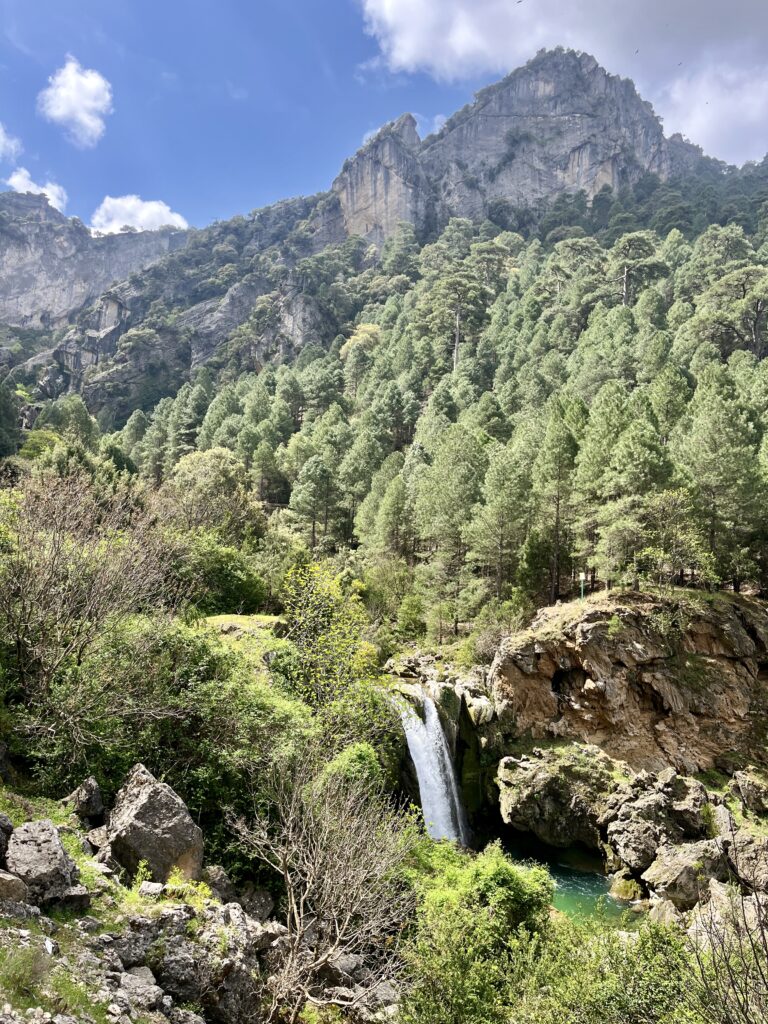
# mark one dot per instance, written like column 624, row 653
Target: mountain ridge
column 579, row 132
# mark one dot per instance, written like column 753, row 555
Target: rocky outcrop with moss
column 119, row 923
column 678, row 681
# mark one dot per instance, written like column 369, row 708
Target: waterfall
column 440, row 800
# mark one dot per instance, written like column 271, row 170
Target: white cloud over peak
column 78, row 99
column 21, row 181
column 117, row 212
column 10, row 147
column 671, row 50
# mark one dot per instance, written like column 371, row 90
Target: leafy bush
column 218, row 578
column 471, row 910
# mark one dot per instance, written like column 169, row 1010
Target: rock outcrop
column 151, row 823
column 51, row 266
column 559, row 124
column 37, row 857
column 385, row 183
column 656, row 683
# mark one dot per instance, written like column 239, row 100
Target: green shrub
column 218, row 578
column 357, row 762
column 411, row 619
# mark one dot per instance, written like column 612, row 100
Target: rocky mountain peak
column 29, row 206
column 561, row 123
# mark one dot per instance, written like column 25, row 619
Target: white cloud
column 79, row 99
column 116, row 212
column 10, row 147
column 20, row 181
column 670, row 49
column 720, row 108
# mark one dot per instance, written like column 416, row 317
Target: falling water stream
column 440, row 800
column 581, row 887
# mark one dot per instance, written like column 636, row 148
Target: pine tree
column 552, row 485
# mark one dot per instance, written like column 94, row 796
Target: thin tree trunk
column 457, row 335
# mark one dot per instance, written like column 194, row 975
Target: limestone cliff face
column 51, row 266
column 559, row 124
column 384, row 183
column 657, row 683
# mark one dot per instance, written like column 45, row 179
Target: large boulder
column 36, row 855
column 681, row 874
column 151, row 823
column 635, row 841
column 559, row 794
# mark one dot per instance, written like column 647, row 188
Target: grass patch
column 20, row 808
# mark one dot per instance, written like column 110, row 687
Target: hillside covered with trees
column 216, row 554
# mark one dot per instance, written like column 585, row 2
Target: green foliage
column 357, row 763
column 326, row 626
column 471, row 911
column 216, row 577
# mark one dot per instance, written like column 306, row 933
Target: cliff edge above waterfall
column 675, row 681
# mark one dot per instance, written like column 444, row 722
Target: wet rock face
column 617, row 675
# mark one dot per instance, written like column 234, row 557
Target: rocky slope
column 51, row 265
column 559, row 124
column 84, row 937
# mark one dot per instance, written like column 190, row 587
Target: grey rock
column 86, row 801
column 36, row 855
column 748, row 859
column 559, row 124
column 6, row 827
column 20, row 911
column 180, row 972
column 723, row 822
column 751, row 791
column 151, row 890
column 219, row 883
column 51, row 266
column 143, row 994
column 132, row 945
column 635, row 842
column 664, row 912
column 76, row 897
column 151, row 823
column 97, row 837
column 681, row 873
column 258, row 903
column 12, row 888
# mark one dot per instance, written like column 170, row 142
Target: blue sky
column 215, row 108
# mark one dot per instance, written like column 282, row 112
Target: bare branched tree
column 339, row 846
column 729, row 945
column 73, row 565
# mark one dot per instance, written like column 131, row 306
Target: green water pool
column 582, row 886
